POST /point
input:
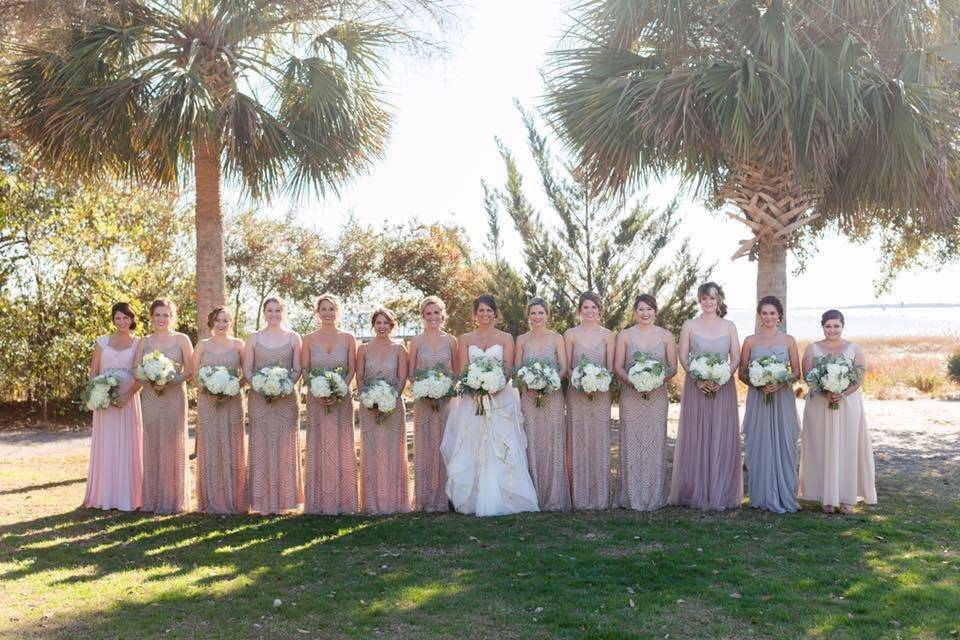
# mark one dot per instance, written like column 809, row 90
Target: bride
column 486, row 455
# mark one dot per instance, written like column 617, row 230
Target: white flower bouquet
column 766, row 370
column 157, row 370
column 709, row 367
column 646, row 374
column 379, row 395
column 432, row 384
column 832, row 374
column 539, row 376
column 101, row 391
column 220, row 382
column 328, row 384
column 484, row 377
column 590, row 378
column 272, row 383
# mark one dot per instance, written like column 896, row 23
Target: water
column 804, row 323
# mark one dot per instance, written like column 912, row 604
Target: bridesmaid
column 545, row 426
column 166, row 485
column 770, row 429
column 221, row 441
column 836, row 459
column 115, row 474
column 707, row 464
column 431, row 348
column 331, row 461
column 589, row 420
column 274, row 479
column 384, row 480
column 642, row 462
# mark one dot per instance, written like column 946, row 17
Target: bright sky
column 448, row 112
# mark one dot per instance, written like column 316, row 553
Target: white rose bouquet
column 766, row 370
column 328, row 384
column 157, row 370
column 483, row 377
column 709, row 367
column 101, row 391
column 380, row 395
column 590, row 378
column 220, row 382
column 432, row 384
column 833, row 374
column 646, row 374
column 539, row 376
column 272, row 383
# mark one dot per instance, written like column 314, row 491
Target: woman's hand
column 773, row 387
column 834, row 397
column 707, row 387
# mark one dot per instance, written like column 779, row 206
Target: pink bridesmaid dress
column 429, row 472
column 115, row 474
column 589, row 438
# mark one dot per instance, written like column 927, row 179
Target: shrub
column 953, row 367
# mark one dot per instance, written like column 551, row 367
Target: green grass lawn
column 891, row 571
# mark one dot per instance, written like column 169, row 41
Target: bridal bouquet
column 832, row 374
column 380, row 395
column 768, row 370
column 272, row 383
column 101, row 391
column 328, row 383
column 590, row 378
column 432, row 384
column 483, row 377
column 539, row 376
column 220, row 382
column 709, row 367
column 157, row 370
column 646, row 374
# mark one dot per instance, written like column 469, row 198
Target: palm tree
column 272, row 94
column 805, row 115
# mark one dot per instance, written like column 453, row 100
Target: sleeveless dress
column 331, row 461
column 429, row 474
column 221, row 445
column 115, row 473
column 546, row 431
column 642, row 463
column 836, row 456
column 707, row 464
column 486, row 455
column 770, row 432
column 384, row 475
column 589, row 437
column 274, row 467
column 166, row 486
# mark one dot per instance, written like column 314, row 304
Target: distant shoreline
column 908, row 305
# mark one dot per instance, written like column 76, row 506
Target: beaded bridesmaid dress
column 546, row 438
column 429, row 472
column 274, row 467
column 589, row 437
column 166, row 486
column 221, row 444
column 115, row 474
column 331, row 461
column 384, row 479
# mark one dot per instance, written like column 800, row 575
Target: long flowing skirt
column 770, row 431
column 115, row 474
column 221, row 456
column 430, row 476
column 642, row 463
column 331, row 461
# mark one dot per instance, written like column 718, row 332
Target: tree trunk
column 772, row 274
column 211, row 283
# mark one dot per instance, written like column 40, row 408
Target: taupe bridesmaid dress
column 589, row 437
column 429, row 472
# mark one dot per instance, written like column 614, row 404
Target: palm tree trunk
column 772, row 273
column 211, row 283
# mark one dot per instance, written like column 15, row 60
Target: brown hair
column 163, row 302
column 386, row 313
column 592, row 297
column 713, row 290
column 283, row 306
column 832, row 314
column 488, row 300
column 125, row 309
column 212, row 316
column 774, row 302
column 538, row 302
column 429, row 300
column 647, row 299
column 332, row 299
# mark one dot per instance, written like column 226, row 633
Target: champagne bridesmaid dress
column 384, row 479
column 221, row 444
column 429, row 472
column 331, row 463
column 589, row 437
column 166, row 486
column 642, row 463
column 115, row 474
column 836, row 459
column 274, row 467
column 707, row 463
column 546, row 431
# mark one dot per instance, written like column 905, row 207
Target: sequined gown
column 430, row 475
column 589, row 437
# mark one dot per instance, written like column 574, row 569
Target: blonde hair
column 538, row 302
column 429, row 300
column 332, row 299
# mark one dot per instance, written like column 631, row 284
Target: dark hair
column 212, row 316
column 163, row 302
column 832, row 314
column 283, row 306
column 488, row 300
column 713, row 290
column 646, row 298
column 538, row 302
column 592, row 297
column 774, row 302
column 386, row 313
column 125, row 309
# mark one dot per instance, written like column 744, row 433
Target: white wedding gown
column 486, row 455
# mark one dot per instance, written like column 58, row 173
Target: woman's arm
column 402, row 369
column 247, row 360
column 671, row 356
column 297, row 345
column 361, row 357
column 684, row 346
column 743, row 374
column 351, row 359
column 619, row 356
column 508, row 352
column 859, row 361
column 305, row 355
column 95, row 361
column 807, row 361
column 562, row 359
column 610, row 338
column 734, row 347
column 186, row 348
column 461, row 359
column 794, row 357
column 568, row 347
column 412, row 355
column 198, row 357
column 518, row 355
